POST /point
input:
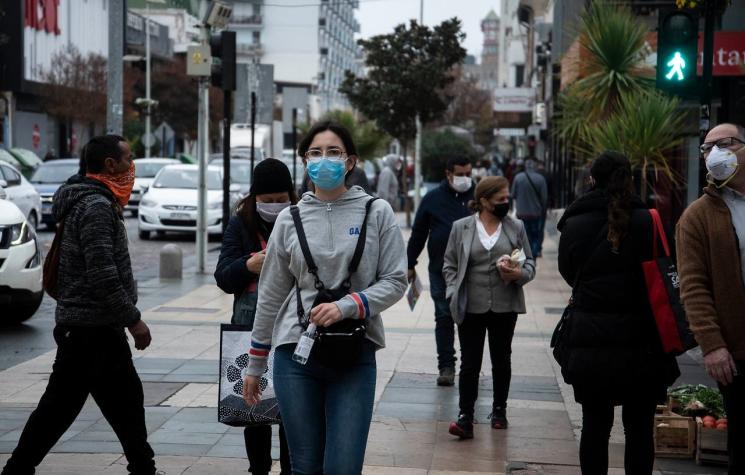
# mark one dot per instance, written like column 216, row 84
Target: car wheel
column 144, row 234
column 21, row 313
column 33, row 220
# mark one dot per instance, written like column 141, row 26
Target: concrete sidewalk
column 409, row 430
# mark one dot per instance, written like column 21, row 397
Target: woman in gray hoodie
column 326, row 408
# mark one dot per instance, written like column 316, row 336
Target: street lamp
column 148, row 102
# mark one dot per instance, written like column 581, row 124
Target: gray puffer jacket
column 95, row 283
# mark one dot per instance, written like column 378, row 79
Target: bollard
column 171, row 262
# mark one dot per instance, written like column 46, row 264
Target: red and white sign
column 43, row 15
column 729, row 53
column 36, row 136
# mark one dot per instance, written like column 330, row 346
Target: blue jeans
column 534, row 230
column 326, row 412
column 444, row 325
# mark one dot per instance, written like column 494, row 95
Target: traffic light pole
column 706, row 85
column 253, row 130
column 227, row 117
column 203, row 122
column 294, row 146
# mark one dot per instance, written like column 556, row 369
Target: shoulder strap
column 535, row 189
column 312, row 267
column 658, row 233
column 360, row 249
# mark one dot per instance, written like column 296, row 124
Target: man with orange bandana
column 96, row 300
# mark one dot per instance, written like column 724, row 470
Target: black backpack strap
column 360, row 249
column 312, row 267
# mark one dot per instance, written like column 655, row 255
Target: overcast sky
column 381, row 16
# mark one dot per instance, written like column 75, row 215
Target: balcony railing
column 249, row 48
column 247, row 20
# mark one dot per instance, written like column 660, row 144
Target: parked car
column 170, row 203
column 47, row 178
column 21, row 193
column 28, row 159
column 240, row 173
column 21, row 289
column 145, row 171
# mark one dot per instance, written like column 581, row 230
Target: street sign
column 199, row 60
column 164, row 131
column 148, row 140
column 677, row 51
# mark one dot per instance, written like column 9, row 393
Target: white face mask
column 722, row 164
column 270, row 211
column 461, row 184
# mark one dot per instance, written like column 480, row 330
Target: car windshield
column 54, row 173
column 239, row 172
column 148, row 170
column 186, row 179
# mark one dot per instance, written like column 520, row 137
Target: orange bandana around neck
column 120, row 184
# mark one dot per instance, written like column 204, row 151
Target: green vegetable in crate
column 699, row 401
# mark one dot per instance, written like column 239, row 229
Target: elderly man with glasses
column 711, row 263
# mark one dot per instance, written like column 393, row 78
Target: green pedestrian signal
column 677, row 49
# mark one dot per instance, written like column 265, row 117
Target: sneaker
column 498, row 418
column 462, row 428
column 446, row 377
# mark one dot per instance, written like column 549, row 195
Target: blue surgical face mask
column 326, row 173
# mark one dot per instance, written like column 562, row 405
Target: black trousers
column 734, row 404
column 638, row 426
column 259, row 450
column 95, row 361
column 472, row 333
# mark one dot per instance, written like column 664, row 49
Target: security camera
column 218, row 14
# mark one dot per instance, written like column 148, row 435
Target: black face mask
column 500, row 210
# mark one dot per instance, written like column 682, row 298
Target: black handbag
column 339, row 345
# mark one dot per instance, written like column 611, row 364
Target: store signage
column 42, row 15
column 514, row 99
column 729, row 53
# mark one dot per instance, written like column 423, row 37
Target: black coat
column 616, row 352
column 231, row 274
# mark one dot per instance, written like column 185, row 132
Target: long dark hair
column 254, row 225
column 612, row 173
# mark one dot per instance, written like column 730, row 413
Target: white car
column 170, row 203
column 21, row 289
column 21, row 193
column 145, row 171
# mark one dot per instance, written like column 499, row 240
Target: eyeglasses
column 721, row 143
column 330, row 153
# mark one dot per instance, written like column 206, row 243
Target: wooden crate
column 674, row 436
column 712, row 445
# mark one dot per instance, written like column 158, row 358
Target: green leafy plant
column 699, row 400
column 438, row 147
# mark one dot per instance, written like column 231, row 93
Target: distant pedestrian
column 238, row 269
column 50, row 155
column 711, row 262
column 530, row 193
column 616, row 355
column 485, row 274
column 480, row 171
column 96, row 301
column 326, row 402
column 388, row 180
column 437, row 212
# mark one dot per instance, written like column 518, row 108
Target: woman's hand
column 325, row 314
column 251, row 390
column 509, row 272
column 256, row 262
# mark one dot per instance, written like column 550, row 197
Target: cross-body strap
column 312, row 267
column 535, row 190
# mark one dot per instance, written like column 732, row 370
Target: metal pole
column 148, row 142
column 114, row 107
column 294, row 146
column 253, row 129
column 202, row 151
column 227, row 116
column 706, row 84
column 418, row 140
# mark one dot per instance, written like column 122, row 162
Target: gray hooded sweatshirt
column 332, row 230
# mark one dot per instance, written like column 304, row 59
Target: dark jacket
column 96, row 286
column 437, row 212
column 231, row 274
column 616, row 352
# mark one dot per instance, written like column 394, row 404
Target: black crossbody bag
column 340, row 344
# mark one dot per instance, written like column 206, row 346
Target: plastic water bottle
column 302, row 350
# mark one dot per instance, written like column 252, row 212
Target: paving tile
column 185, row 438
column 181, row 449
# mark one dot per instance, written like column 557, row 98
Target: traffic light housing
column 677, row 52
column 223, row 49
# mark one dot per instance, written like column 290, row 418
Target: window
column 12, row 177
column 256, row 37
column 519, row 75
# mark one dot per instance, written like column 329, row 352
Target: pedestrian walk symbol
column 677, row 64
